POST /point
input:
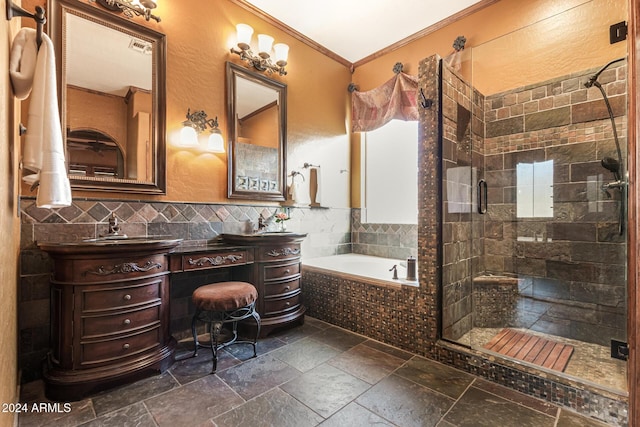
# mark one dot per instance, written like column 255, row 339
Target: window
column 390, row 168
column 534, row 190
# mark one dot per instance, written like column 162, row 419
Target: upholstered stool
column 220, row 303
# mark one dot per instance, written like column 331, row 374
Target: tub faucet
column 395, row 272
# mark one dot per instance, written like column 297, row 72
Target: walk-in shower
column 534, row 205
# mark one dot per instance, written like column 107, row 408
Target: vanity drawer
column 96, row 326
column 278, row 252
column 108, row 350
column 282, row 287
column 212, row 260
column 279, row 305
column 102, row 299
column 281, row 271
column 97, row 270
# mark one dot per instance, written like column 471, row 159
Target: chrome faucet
column 264, row 223
column 114, row 228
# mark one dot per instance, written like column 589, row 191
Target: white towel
column 22, row 62
column 299, row 193
column 43, row 148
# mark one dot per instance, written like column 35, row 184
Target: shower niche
column 534, row 205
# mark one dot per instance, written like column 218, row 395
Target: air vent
column 141, row 46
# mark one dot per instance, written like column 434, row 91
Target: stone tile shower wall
column 397, row 241
column 328, row 234
column 462, row 231
column 574, row 260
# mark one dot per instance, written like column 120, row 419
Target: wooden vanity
column 109, row 315
column 110, row 302
column 276, row 274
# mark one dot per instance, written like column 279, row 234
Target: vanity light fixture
column 262, row 61
column 197, row 123
column 131, row 8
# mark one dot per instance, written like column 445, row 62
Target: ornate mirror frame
column 273, row 189
column 59, row 11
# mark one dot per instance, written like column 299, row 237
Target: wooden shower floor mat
column 531, row 348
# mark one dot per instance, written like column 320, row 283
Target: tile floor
column 315, row 374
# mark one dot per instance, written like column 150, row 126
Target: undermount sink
column 123, row 238
column 116, row 237
column 263, row 237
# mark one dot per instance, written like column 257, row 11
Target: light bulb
column 188, row 137
column 244, row 33
column 264, row 45
column 281, row 52
column 215, row 143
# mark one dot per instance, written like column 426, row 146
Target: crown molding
column 397, row 45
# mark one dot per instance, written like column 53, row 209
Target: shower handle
column 482, row 197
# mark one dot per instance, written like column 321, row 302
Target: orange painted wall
column 199, row 36
column 9, row 228
column 509, row 44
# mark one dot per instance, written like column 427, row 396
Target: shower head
column 612, row 165
column 593, row 79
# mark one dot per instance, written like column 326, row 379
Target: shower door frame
column 633, row 251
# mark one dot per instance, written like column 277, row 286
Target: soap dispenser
column 411, row 269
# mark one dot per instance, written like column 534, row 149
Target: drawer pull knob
column 127, row 297
column 126, row 346
column 287, row 303
column 127, row 321
column 286, row 288
column 287, row 271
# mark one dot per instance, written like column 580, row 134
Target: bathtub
column 361, row 267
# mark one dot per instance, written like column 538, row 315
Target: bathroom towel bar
column 38, row 16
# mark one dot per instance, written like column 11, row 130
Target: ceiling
column 355, row 29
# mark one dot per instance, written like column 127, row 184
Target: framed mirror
column 111, row 89
column 257, row 114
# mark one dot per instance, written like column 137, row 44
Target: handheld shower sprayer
column 594, row 79
column 613, row 166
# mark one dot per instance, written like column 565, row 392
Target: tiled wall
column 576, row 257
column 397, row 241
column 328, row 234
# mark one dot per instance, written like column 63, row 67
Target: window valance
column 395, row 99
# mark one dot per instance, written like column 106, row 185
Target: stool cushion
column 224, row 296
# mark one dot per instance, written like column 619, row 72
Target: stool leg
column 195, row 335
column 255, row 341
column 215, row 329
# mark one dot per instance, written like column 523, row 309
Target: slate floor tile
column 194, row 403
column 325, row 389
column 436, row 376
column 273, row 408
column 110, row 400
column 306, row 354
column 366, row 363
column 354, row 415
column 405, row 403
column 135, row 415
column 256, row 376
column 338, row 338
column 478, row 408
